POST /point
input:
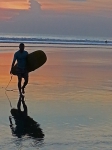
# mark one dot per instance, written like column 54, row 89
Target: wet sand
column 70, row 97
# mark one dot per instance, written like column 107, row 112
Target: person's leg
column 25, row 82
column 19, row 74
column 19, row 104
column 19, row 84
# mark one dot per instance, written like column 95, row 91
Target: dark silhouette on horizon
column 106, row 42
column 24, row 124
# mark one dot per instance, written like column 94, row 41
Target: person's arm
column 13, row 63
column 11, row 125
column 10, row 119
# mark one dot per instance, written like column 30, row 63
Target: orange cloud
column 10, row 8
column 76, row 5
column 15, row 4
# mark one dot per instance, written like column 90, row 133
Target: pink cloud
column 10, row 8
column 76, row 5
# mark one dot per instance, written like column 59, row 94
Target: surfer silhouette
column 20, row 56
column 24, row 124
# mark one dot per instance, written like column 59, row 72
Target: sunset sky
column 57, row 17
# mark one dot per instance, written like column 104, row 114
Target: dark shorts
column 22, row 73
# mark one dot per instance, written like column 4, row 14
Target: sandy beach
column 70, row 97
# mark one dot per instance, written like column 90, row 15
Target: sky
column 87, row 18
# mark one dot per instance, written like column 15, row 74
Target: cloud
column 38, row 20
column 10, row 8
column 76, row 5
column 15, row 4
column 78, row 0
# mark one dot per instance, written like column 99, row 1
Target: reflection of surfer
column 24, row 125
column 22, row 72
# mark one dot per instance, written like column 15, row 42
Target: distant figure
column 106, row 42
column 24, row 125
column 22, row 72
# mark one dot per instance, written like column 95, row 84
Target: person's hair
column 21, row 44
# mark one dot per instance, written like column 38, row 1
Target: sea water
column 45, row 39
column 70, row 97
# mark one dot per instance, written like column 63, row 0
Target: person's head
column 21, row 47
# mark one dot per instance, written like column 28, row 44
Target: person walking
column 20, row 56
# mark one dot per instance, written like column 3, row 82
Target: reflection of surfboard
column 34, row 61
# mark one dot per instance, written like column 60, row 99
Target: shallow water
column 70, row 97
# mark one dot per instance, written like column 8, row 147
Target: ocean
column 45, row 39
column 70, row 96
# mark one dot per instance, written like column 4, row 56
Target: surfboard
column 34, row 61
